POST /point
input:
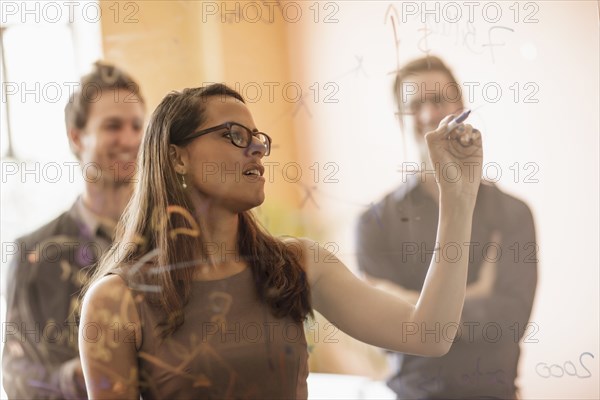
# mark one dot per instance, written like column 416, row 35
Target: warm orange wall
column 162, row 49
column 177, row 44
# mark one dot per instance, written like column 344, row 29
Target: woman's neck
column 219, row 233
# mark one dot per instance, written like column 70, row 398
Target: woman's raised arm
column 373, row 316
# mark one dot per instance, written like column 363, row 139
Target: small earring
column 183, row 184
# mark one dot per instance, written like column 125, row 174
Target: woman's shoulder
column 109, row 301
column 130, row 273
column 299, row 245
column 117, row 283
column 109, row 287
column 311, row 255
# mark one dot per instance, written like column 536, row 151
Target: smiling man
column 104, row 120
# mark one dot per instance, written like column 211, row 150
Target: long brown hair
column 161, row 264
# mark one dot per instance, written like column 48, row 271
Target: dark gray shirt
column 395, row 242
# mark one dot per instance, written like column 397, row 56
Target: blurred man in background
column 104, row 119
column 396, row 238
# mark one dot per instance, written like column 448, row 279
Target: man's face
column 109, row 143
column 428, row 97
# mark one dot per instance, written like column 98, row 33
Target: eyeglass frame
column 228, row 125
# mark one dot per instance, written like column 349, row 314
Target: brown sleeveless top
column 229, row 347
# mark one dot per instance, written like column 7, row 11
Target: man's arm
column 511, row 299
column 481, row 288
column 37, row 362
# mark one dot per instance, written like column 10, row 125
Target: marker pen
column 457, row 121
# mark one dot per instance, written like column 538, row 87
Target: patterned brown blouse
column 229, row 347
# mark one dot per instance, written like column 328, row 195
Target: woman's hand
column 457, row 158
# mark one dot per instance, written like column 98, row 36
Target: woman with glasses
column 196, row 300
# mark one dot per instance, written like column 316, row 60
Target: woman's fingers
column 462, row 142
column 471, row 138
column 440, row 131
column 465, row 135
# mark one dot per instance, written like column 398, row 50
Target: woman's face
column 218, row 171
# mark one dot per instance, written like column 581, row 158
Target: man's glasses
column 239, row 135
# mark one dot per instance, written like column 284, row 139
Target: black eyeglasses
column 239, row 135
